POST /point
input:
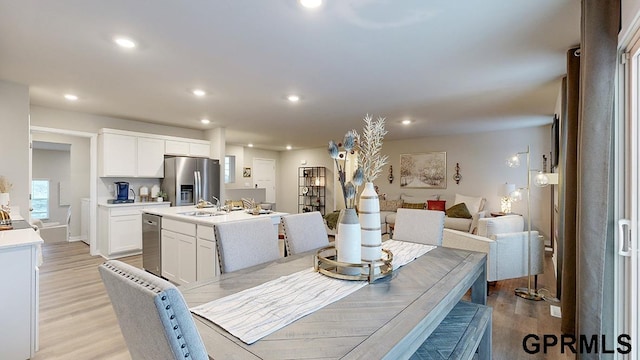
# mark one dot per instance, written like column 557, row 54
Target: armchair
column 504, row 241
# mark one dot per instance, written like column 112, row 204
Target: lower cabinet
column 120, row 229
column 178, row 251
column 19, row 278
column 206, row 253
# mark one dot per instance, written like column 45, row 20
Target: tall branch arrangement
column 370, row 146
column 5, row 185
column 339, row 153
column 367, row 152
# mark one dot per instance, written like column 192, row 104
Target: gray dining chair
column 304, row 232
column 419, row 226
column 242, row 244
column 153, row 316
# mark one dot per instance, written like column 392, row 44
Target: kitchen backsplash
column 106, row 187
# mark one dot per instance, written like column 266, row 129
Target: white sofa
column 505, row 242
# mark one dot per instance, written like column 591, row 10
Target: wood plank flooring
column 78, row 322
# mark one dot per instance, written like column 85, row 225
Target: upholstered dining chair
column 242, row 244
column 420, row 226
column 153, row 316
column 304, row 232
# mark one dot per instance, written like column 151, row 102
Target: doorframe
column 275, row 176
column 93, row 177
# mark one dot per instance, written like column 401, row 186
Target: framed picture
column 246, row 172
column 426, row 170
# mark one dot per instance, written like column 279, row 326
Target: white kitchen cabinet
column 117, row 155
column 178, row 251
column 150, row 161
column 206, row 253
column 186, row 148
column 120, row 229
column 198, row 149
column 19, row 279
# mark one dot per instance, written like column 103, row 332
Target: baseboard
column 76, row 238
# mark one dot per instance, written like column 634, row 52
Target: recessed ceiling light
column 293, row 98
column 199, row 92
column 124, row 42
column 289, row 147
column 406, row 122
column 71, row 97
column 311, row 4
column 205, row 121
column 250, row 145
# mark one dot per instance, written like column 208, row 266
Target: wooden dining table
column 387, row 319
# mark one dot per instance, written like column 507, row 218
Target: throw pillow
column 408, row 205
column 459, row 211
column 474, row 204
column 436, row 205
column 390, row 205
column 248, row 203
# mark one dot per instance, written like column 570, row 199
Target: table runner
column 257, row 312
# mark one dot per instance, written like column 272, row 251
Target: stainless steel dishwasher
column 151, row 249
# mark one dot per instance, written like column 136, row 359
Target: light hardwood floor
column 77, row 321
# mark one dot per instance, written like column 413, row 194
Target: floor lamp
column 541, row 179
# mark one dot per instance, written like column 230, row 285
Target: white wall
column 70, row 120
column 79, row 172
column 55, row 166
column 630, row 13
column 482, row 165
column 14, row 142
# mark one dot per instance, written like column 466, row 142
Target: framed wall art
column 425, row 170
column 246, row 172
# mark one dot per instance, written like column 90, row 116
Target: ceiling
column 451, row 67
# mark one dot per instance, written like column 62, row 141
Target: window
column 229, row 169
column 40, row 198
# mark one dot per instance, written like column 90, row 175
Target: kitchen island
column 187, row 243
column 19, row 261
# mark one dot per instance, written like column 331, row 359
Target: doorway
column 79, row 192
column 264, row 176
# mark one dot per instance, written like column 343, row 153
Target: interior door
column 264, row 175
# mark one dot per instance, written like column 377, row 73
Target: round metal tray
column 326, row 263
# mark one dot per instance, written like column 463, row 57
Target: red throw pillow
column 436, row 205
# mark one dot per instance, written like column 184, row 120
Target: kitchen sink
column 203, row 213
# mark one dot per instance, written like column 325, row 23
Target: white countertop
column 139, row 203
column 21, row 237
column 238, row 215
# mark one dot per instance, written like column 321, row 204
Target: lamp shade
column 506, row 189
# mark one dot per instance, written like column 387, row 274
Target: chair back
column 153, row 316
column 420, row 226
column 304, row 232
column 242, row 244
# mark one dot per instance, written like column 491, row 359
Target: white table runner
column 257, row 312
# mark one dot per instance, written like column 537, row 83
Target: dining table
column 386, row 319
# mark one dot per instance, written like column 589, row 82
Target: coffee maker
column 121, row 193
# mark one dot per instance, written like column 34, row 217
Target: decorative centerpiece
column 372, row 161
column 348, row 229
column 359, row 238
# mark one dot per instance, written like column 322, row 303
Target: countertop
column 238, row 215
column 21, row 237
column 138, row 203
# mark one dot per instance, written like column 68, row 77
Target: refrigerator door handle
column 198, row 187
column 196, row 195
column 624, row 227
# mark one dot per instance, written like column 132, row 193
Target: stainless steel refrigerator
column 187, row 179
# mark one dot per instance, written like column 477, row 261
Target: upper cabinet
column 150, row 157
column 187, row 148
column 118, row 155
column 130, row 154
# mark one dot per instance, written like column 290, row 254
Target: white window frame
column 48, row 214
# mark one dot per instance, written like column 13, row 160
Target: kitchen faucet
column 217, row 201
